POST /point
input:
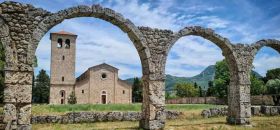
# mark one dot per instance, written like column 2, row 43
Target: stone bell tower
column 62, row 75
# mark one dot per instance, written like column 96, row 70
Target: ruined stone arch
column 257, row 46
column 206, row 33
column 95, row 11
column 235, row 56
column 272, row 43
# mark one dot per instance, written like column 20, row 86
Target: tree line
column 268, row 85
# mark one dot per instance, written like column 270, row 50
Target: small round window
column 103, row 76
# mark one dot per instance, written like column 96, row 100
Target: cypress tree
column 41, row 89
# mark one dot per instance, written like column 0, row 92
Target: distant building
column 98, row 85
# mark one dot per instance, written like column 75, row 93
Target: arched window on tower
column 62, row 96
column 62, row 93
column 67, row 43
column 59, row 43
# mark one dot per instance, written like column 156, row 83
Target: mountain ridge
column 201, row 79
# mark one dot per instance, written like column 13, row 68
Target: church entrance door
column 103, row 99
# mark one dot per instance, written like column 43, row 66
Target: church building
column 100, row 84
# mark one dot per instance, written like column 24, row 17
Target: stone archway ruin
column 22, row 26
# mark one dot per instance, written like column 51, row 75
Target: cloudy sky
column 242, row 21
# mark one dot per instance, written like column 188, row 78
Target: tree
column 200, row 91
column 195, row 84
column 2, row 74
column 273, row 74
column 221, row 79
column 41, row 89
column 257, row 85
column 185, row 90
column 210, row 90
column 72, row 98
column 137, row 90
column 220, row 88
column 273, row 88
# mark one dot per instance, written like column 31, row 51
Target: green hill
column 201, row 79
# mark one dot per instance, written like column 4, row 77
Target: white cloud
column 193, row 53
column 99, row 41
column 266, row 61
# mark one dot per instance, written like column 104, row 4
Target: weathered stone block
column 245, row 111
column 265, row 110
column 131, row 116
column 155, row 124
column 24, row 115
column 206, row 114
column 274, row 111
column 25, row 127
column 244, row 78
column 114, row 116
column 18, row 93
column 256, row 110
column 13, row 77
column 10, row 113
column 84, row 10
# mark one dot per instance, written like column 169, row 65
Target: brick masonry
column 22, row 26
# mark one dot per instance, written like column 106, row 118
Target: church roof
column 103, row 65
column 64, row 33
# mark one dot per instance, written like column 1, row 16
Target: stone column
column 17, row 98
column 239, row 104
column 153, row 108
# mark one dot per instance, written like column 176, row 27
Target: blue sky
column 242, row 21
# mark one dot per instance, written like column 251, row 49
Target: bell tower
column 62, row 74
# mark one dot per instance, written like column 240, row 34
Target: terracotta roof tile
column 63, row 33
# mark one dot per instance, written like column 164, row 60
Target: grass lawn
column 190, row 120
column 259, row 123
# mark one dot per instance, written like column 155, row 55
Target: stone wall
column 255, row 110
column 255, row 100
column 196, row 100
column 89, row 117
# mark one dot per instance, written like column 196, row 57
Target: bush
column 72, row 98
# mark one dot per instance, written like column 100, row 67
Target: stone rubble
column 256, row 111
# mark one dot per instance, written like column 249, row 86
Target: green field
column 190, row 120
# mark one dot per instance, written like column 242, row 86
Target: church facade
column 100, row 84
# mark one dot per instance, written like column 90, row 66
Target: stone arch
column 223, row 43
column 272, row 43
column 232, row 56
column 257, row 46
column 205, row 33
column 95, row 11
